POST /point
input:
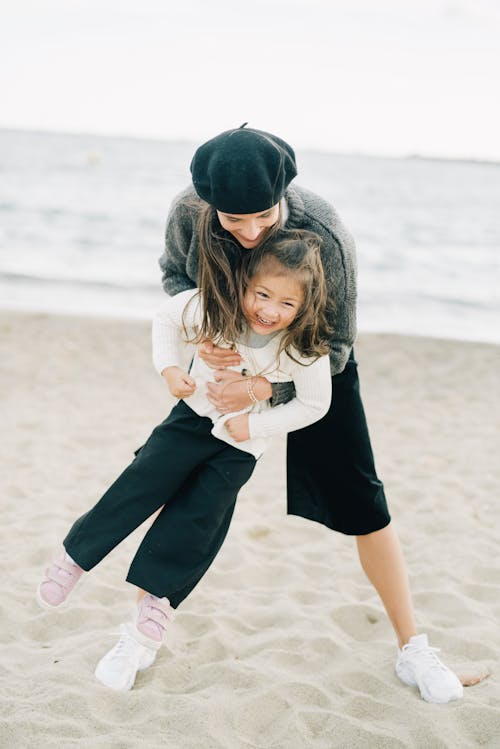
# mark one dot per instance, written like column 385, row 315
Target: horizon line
column 187, row 141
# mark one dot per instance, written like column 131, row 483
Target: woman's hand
column 218, row 358
column 237, row 427
column 229, row 392
column 180, row 384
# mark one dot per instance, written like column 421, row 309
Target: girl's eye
column 289, row 304
column 262, row 294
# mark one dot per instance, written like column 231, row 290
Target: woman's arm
column 229, row 393
column 338, row 255
column 339, row 264
column 313, row 394
column 180, row 233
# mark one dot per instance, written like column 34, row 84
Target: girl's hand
column 180, row 384
column 229, row 393
column 237, row 427
column 218, row 358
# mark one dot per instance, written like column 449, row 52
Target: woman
column 241, row 193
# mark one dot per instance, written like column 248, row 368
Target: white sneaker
column 132, row 653
column 419, row 666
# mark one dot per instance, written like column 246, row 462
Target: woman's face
column 249, row 228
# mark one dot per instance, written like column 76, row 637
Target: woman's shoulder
column 308, row 210
column 185, row 205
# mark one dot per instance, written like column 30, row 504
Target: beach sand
column 284, row 643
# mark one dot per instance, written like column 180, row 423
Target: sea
column 82, row 221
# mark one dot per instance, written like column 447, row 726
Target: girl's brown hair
column 297, row 253
column 225, row 269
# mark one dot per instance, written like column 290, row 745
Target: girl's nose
column 269, row 312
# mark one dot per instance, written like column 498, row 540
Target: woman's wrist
column 262, row 388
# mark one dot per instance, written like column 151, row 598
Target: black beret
column 243, row 170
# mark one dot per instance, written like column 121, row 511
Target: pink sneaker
column 60, row 579
column 153, row 616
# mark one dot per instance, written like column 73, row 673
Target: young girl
column 195, row 462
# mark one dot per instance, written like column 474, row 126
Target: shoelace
column 428, row 655
column 124, row 647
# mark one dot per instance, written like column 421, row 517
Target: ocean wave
column 83, row 221
column 40, row 280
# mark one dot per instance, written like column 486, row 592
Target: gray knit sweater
column 179, row 262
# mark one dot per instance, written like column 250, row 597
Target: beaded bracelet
column 250, row 391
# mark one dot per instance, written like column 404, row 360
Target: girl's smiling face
column 272, row 301
column 249, row 228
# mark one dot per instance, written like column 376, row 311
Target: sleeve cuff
column 282, row 393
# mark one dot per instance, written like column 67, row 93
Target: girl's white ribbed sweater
column 312, row 378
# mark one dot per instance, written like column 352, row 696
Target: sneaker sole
column 407, row 679
column 130, row 683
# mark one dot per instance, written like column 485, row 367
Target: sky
column 385, row 77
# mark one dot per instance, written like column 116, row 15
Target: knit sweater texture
column 306, row 210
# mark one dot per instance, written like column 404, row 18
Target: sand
column 284, row 644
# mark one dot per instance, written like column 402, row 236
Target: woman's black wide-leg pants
column 195, row 477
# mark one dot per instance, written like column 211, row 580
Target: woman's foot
column 132, row 653
column 137, row 647
column 419, row 666
column 61, row 576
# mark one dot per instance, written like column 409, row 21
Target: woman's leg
column 332, row 479
column 336, row 483
column 382, row 560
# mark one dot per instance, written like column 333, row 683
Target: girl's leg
column 382, row 560
column 174, row 450
column 184, row 539
column 174, row 555
column 161, row 466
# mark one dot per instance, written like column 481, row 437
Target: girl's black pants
column 195, row 477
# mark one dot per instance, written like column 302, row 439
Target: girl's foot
column 153, row 615
column 137, row 647
column 61, row 576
